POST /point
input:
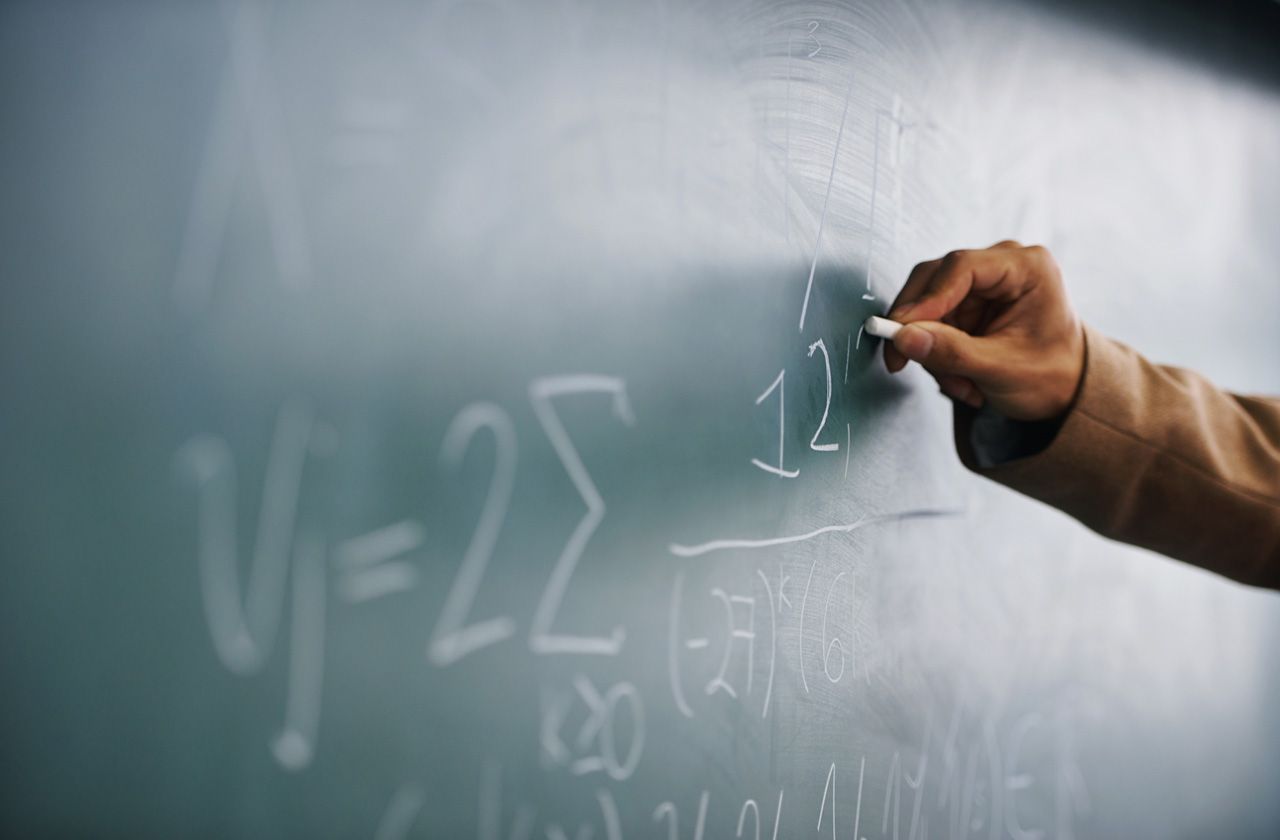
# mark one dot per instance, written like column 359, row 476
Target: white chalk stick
column 882, row 327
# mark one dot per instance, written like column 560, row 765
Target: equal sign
column 367, row 564
column 369, row 132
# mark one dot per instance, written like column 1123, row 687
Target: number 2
column 813, row 443
column 451, row 640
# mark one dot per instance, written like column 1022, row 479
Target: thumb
column 943, row 349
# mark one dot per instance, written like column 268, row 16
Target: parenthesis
column 673, row 664
column 773, row 642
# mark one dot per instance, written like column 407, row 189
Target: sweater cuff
column 996, row 439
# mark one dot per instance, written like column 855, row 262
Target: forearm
column 1160, row 458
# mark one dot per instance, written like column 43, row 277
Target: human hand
column 992, row 326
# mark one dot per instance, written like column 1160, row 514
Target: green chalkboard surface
column 451, row 419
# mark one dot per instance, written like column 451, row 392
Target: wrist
column 1073, row 374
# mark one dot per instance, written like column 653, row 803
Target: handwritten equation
column 728, row 645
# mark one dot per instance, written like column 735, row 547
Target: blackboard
column 450, row 419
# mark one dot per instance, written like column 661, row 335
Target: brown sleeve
column 1160, row 458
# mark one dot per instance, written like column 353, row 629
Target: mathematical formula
column 731, row 643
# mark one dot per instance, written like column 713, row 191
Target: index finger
column 916, row 283
column 991, row 274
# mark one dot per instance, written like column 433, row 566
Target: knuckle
column 1040, row 255
column 1007, row 243
column 1044, row 265
column 954, row 257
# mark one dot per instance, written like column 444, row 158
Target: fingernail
column 914, row 343
column 901, row 312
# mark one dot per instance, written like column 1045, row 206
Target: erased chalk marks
column 246, row 113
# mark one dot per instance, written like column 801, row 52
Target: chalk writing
column 779, row 383
column 451, row 640
column 541, row 394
